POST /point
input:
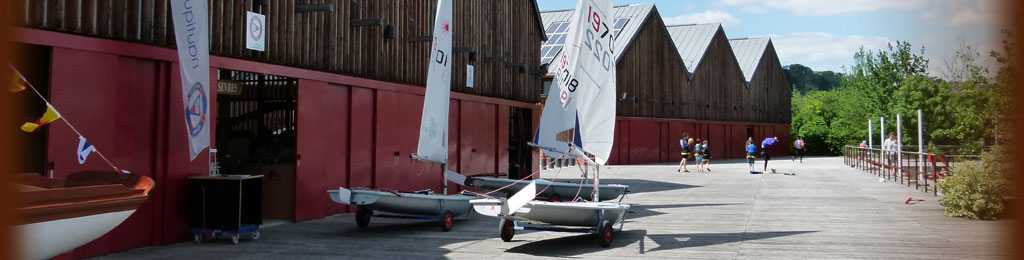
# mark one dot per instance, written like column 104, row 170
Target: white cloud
column 823, row 51
column 710, row 16
column 975, row 12
column 824, row 7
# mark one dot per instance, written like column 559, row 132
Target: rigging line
column 580, row 189
column 530, row 175
column 62, row 116
column 553, row 179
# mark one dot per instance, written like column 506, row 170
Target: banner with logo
column 193, row 38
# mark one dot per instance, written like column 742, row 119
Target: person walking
column 889, row 148
column 768, row 142
column 698, row 156
column 685, row 143
column 751, row 150
column 707, row 155
column 799, row 145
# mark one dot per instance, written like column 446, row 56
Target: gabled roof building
column 673, row 79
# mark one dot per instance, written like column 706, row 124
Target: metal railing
column 918, row 170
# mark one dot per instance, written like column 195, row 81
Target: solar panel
column 556, row 37
column 619, row 24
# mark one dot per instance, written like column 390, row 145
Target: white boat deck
column 826, row 211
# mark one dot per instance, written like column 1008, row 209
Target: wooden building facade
column 334, row 101
column 336, row 36
column 675, row 79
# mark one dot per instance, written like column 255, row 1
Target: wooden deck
column 826, row 211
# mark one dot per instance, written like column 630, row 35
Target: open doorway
column 520, row 158
column 34, row 64
column 256, row 135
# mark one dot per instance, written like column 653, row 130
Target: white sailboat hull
column 564, row 190
column 405, row 203
column 578, row 214
column 45, row 240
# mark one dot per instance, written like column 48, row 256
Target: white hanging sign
column 469, row 76
column 255, row 31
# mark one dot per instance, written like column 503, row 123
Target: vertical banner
column 255, row 31
column 191, row 31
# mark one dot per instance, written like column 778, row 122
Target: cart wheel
column 234, row 238
column 604, row 233
column 447, row 220
column 508, row 229
column 363, row 217
column 255, row 235
column 556, row 198
column 198, row 237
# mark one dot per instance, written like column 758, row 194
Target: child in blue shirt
column 751, row 150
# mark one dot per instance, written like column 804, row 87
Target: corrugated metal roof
column 636, row 13
column 692, row 41
column 748, row 53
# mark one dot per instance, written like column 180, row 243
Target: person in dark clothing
column 685, row 143
column 799, row 145
column 768, row 142
column 707, row 155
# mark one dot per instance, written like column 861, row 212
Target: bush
column 975, row 191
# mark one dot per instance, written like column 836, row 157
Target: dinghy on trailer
column 583, row 103
column 556, row 190
column 432, row 147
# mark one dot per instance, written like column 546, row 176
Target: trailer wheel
column 604, row 233
column 255, row 235
column 234, row 238
column 447, row 221
column 363, row 217
column 508, row 229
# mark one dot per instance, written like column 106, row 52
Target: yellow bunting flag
column 50, row 116
column 17, row 83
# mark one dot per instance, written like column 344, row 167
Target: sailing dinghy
column 556, row 190
column 583, row 102
column 432, row 147
column 57, row 215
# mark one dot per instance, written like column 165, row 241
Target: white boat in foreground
column 57, row 215
column 581, row 101
column 432, row 147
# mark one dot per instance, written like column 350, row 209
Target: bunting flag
column 48, row 117
column 122, row 170
column 17, row 83
column 84, row 149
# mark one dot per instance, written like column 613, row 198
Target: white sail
column 559, row 113
column 433, row 143
column 596, row 74
column 584, row 99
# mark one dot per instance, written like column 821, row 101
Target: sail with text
column 584, row 100
column 433, row 143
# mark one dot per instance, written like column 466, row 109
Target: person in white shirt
column 889, row 148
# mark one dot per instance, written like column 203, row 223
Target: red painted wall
column 126, row 108
column 323, row 154
column 125, row 98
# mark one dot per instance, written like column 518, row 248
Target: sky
column 825, row 34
